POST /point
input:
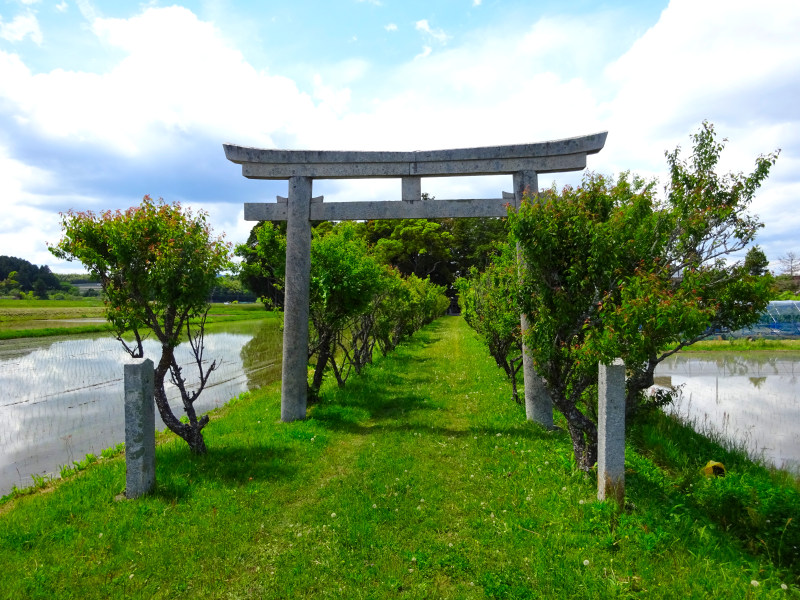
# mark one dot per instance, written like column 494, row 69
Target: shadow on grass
column 379, row 400
column 384, row 412
column 339, row 421
column 679, row 447
column 178, row 471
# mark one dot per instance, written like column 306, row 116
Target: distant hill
column 27, row 274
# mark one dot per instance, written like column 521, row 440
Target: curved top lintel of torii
column 542, row 157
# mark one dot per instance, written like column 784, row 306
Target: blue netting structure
column 780, row 320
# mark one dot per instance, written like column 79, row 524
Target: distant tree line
column 18, row 277
column 21, row 279
column 78, row 278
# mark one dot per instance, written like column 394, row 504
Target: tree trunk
column 194, row 436
column 322, row 361
column 191, row 433
column 637, row 383
column 583, row 433
column 514, row 366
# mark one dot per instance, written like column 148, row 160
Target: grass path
column 420, row 479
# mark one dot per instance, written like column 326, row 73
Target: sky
column 104, row 101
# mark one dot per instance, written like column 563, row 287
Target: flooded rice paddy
column 62, row 398
column 752, row 399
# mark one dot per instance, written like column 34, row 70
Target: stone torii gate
column 301, row 167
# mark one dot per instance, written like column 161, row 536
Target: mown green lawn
column 420, row 479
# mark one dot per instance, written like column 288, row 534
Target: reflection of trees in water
column 13, row 349
column 757, row 382
column 742, row 364
column 261, row 356
column 733, row 365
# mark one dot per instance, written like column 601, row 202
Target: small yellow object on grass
column 714, row 469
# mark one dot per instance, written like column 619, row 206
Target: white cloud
column 329, row 97
column 179, row 92
column 21, row 27
column 550, row 84
column 62, row 7
column 390, row 27
column 487, row 91
column 724, row 60
column 180, row 84
column 728, row 61
column 87, row 10
column 426, row 51
column 183, row 79
column 476, row 2
column 733, row 63
column 24, row 223
column 437, row 34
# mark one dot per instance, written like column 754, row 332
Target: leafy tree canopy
column 414, row 246
column 613, row 271
column 345, row 279
column 157, row 264
column 355, row 301
column 439, row 249
column 756, row 262
column 475, row 242
column 488, row 303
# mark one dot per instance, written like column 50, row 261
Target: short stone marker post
column 140, row 429
column 611, row 432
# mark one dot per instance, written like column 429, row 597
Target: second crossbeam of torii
column 301, row 167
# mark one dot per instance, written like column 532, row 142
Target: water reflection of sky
column 61, row 400
column 749, row 398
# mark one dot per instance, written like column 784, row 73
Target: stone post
column 611, row 432
column 411, row 188
column 538, row 405
column 140, row 429
column 294, row 382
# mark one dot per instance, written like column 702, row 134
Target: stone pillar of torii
column 301, row 167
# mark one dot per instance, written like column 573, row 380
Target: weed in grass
column 114, row 451
column 67, row 471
